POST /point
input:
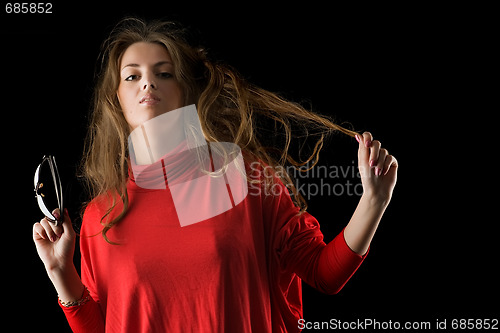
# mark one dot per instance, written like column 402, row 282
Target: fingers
column 367, row 139
column 364, row 149
column 372, row 156
column 39, row 232
column 375, row 153
column 47, row 230
column 390, row 162
column 380, row 161
column 364, row 152
column 58, row 230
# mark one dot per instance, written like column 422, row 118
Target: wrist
column 67, row 282
column 376, row 200
column 59, row 269
column 59, row 275
column 79, row 302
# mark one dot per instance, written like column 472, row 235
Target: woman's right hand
column 55, row 244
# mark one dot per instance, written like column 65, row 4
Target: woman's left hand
column 378, row 169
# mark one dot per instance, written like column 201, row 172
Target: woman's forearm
column 67, row 282
column 84, row 317
column 56, row 246
column 378, row 171
column 359, row 232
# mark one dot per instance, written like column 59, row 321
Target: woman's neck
column 156, row 137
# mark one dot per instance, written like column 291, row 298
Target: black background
column 418, row 77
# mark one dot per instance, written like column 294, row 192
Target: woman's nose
column 148, row 82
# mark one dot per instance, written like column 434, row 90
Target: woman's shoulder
column 94, row 212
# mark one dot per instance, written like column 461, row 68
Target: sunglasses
column 48, row 189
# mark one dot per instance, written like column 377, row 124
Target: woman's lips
column 149, row 99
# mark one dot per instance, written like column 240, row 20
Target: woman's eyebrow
column 158, row 64
column 155, row 65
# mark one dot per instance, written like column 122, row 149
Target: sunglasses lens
column 47, row 195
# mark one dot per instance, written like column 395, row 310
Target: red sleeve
column 87, row 317
column 336, row 264
column 84, row 318
column 301, row 249
column 325, row 267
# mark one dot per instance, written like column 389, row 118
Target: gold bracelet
column 84, row 299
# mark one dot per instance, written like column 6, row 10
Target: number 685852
column 28, row 8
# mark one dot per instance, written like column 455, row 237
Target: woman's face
column 147, row 85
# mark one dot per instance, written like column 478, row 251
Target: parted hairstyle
column 229, row 108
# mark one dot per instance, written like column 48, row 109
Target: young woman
column 238, row 271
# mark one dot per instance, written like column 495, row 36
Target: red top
column 239, row 271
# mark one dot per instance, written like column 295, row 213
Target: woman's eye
column 131, row 78
column 165, row 75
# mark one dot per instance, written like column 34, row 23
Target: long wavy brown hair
column 230, row 110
